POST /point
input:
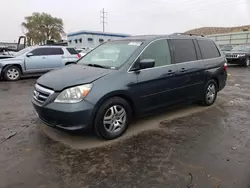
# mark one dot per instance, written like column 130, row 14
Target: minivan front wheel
column 210, row 93
column 112, row 118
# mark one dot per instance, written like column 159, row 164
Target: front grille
column 40, row 94
column 232, row 56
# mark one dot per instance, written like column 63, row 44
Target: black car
column 226, row 48
column 125, row 78
column 239, row 55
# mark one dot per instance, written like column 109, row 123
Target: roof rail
column 190, row 34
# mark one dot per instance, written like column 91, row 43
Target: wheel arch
column 10, row 65
column 122, row 94
column 217, row 81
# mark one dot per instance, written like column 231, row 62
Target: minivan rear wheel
column 113, row 118
column 210, row 93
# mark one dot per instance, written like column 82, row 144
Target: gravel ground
column 203, row 148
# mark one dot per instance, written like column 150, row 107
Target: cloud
column 127, row 16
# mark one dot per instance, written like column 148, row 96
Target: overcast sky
column 126, row 16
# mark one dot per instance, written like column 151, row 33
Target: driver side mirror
column 147, row 63
column 29, row 54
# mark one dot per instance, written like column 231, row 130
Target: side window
column 47, row 51
column 159, row 51
column 183, row 50
column 208, row 49
column 39, row 52
column 54, row 51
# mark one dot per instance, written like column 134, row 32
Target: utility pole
column 103, row 19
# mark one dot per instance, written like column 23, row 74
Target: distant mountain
column 217, row 30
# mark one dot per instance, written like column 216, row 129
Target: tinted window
column 72, row 51
column 159, row 51
column 47, row 51
column 183, row 50
column 208, row 49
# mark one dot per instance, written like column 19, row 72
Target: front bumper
column 239, row 61
column 65, row 116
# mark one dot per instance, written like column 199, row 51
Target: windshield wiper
column 97, row 65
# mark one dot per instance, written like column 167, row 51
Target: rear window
column 208, row 49
column 184, row 50
column 72, row 51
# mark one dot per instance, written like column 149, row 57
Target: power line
column 103, row 19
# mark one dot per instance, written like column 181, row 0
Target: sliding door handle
column 170, row 72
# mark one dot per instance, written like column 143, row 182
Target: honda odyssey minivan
column 123, row 79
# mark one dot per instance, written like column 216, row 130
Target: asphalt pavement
column 189, row 146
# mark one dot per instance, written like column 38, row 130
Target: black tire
column 69, row 63
column 99, row 126
column 16, row 73
column 247, row 62
column 205, row 101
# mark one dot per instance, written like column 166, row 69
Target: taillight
column 79, row 56
column 225, row 66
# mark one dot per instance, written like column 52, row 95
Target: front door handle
column 183, row 70
column 44, row 57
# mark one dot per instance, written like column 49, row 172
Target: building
column 10, row 45
column 235, row 38
column 91, row 39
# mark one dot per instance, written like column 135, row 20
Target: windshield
column 241, row 48
column 110, row 55
column 21, row 52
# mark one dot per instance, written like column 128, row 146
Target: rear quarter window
column 208, row 49
column 183, row 50
column 72, row 51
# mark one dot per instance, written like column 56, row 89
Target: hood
column 236, row 52
column 71, row 75
column 6, row 56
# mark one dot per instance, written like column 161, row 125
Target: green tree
column 40, row 27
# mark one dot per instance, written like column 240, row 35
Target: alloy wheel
column 247, row 62
column 211, row 91
column 12, row 74
column 115, row 119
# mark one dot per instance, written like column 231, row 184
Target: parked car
column 144, row 74
column 226, row 48
column 36, row 60
column 82, row 52
column 4, row 56
column 239, row 55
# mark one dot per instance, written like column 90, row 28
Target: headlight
column 74, row 94
column 241, row 55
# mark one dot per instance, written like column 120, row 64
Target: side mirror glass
column 147, row 63
column 29, row 54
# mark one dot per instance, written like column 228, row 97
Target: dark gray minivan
column 125, row 78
